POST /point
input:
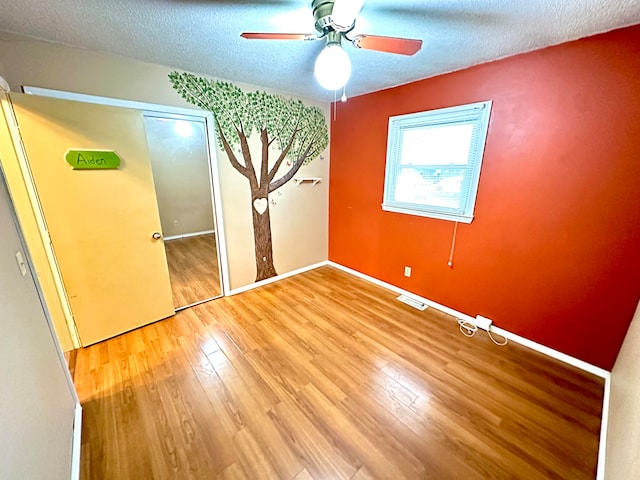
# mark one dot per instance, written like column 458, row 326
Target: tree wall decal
column 297, row 131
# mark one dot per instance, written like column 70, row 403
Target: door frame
column 27, row 186
column 214, row 202
column 153, row 109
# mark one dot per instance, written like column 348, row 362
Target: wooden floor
column 193, row 269
column 325, row 376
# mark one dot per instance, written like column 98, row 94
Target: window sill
column 422, row 213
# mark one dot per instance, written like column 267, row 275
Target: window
column 434, row 160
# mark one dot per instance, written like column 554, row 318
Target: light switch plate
column 21, row 264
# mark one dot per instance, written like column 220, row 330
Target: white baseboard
column 500, row 331
column 402, row 291
column 261, row 283
column 606, row 375
column 505, row 333
column 187, row 235
column 77, row 443
column 563, row 357
column 600, row 372
column 604, row 425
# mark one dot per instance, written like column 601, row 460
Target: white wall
column 623, row 434
column 37, row 404
column 300, row 214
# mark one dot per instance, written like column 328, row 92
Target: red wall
column 553, row 253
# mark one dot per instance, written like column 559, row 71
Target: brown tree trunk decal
column 298, row 132
column 262, row 238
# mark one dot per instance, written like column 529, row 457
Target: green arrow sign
column 92, row 159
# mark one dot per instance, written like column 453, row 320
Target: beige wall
column 299, row 215
column 181, row 176
column 48, row 65
column 299, row 218
column 623, row 435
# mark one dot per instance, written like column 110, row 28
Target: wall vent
column 413, row 302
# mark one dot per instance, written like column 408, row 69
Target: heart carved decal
column 260, row 204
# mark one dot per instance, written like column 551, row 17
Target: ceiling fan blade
column 344, row 13
column 403, row 46
column 277, row 36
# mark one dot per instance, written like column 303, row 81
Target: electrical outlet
column 176, row 223
column 407, row 271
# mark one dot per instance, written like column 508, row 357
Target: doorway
column 101, row 222
column 181, row 166
column 211, row 238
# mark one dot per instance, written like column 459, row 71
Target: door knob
column 156, row 236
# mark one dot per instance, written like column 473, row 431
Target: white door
column 37, row 403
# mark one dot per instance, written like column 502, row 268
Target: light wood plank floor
column 193, row 269
column 325, row 376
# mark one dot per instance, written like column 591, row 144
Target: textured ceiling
column 203, row 36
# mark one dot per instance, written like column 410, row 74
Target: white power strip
column 482, row 322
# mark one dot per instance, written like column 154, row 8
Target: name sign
column 92, row 159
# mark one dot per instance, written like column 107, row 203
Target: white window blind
column 434, row 160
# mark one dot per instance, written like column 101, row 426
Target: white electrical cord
column 468, row 329
column 494, row 340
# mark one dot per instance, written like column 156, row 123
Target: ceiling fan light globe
column 333, row 67
column 344, row 13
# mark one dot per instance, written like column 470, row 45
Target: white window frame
column 476, row 114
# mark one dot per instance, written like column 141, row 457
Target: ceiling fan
column 334, row 20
